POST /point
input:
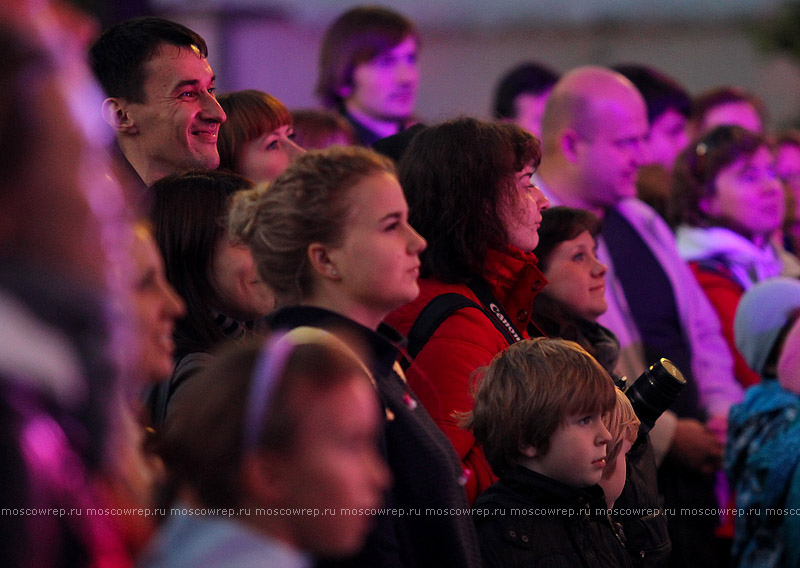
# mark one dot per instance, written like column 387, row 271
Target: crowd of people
column 239, row 335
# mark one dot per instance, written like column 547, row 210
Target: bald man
column 593, row 135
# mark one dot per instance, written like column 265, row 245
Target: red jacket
column 724, row 293
column 467, row 340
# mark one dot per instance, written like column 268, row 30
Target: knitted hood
column 761, row 314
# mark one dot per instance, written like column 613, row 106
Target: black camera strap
column 480, row 288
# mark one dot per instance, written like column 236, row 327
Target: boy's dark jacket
column 554, row 526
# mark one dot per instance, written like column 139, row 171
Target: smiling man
column 368, row 71
column 161, row 100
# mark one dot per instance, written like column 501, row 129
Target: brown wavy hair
column 356, row 37
column 697, row 167
column 457, row 176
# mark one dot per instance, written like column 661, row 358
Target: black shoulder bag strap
column 442, row 307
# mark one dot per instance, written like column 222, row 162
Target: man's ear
column 320, row 259
column 528, row 451
column 115, row 112
column 569, row 141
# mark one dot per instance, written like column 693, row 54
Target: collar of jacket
column 514, row 279
column 383, row 344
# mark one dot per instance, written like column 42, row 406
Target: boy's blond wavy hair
column 623, row 424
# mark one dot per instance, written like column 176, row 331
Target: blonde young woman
column 331, row 237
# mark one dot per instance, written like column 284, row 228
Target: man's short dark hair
column 660, row 92
column 529, row 79
column 354, row 38
column 719, row 96
column 119, row 55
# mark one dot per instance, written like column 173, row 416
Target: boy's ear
column 528, row 451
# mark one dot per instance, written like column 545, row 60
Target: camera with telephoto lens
column 653, row 392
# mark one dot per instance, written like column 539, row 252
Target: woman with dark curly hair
column 469, row 188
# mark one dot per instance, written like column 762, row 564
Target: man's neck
column 149, row 171
column 561, row 189
column 381, row 127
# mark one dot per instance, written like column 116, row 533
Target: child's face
column 577, row 452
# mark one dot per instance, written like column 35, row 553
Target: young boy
column 538, row 414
